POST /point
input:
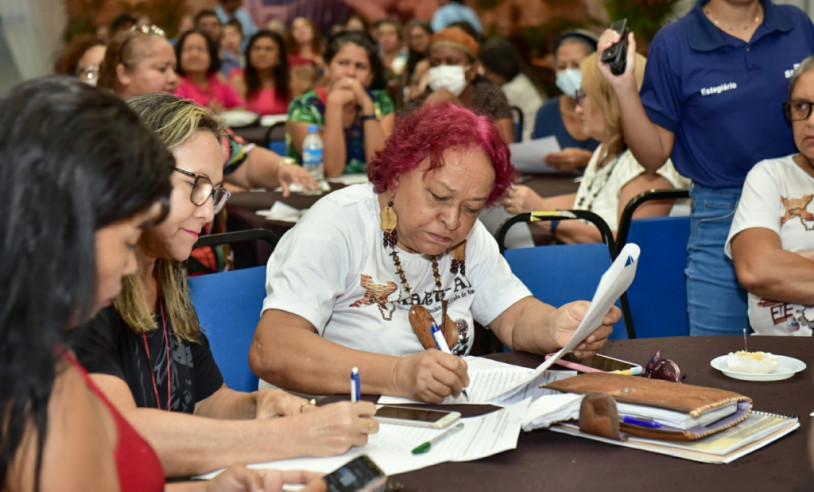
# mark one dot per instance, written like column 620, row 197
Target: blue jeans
column 716, row 302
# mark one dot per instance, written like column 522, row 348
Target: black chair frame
column 636, row 201
column 236, row 237
column 276, row 130
column 596, row 220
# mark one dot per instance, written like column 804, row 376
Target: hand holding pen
column 441, row 344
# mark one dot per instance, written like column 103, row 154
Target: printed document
column 391, row 447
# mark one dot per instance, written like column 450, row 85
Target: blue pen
column 441, row 344
column 641, row 422
column 355, row 385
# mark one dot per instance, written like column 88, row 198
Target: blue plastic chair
column 561, row 273
column 658, row 295
column 228, row 306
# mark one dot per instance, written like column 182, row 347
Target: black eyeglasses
column 797, row 109
column 664, row 369
column 203, row 188
column 579, row 95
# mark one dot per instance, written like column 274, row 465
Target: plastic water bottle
column 312, row 153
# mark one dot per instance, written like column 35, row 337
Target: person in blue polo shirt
column 712, row 102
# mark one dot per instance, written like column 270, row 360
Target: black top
column 107, row 345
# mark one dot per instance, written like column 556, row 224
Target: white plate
column 238, row 117
column 786, row 368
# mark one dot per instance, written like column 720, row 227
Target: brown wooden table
column 546, row 460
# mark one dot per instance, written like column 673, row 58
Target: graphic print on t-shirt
column 793, row 316
column 797, row 207
column 378, row 293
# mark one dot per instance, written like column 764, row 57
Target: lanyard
column 149, row 360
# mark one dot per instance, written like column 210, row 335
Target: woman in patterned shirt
column 354, row 114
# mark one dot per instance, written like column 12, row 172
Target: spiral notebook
column 758, row 430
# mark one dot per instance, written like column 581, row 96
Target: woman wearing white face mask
column 559, row 116
column 453, row 77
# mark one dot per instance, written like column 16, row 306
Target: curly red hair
column 430, row 131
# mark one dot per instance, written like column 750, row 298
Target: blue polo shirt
column 721, row 96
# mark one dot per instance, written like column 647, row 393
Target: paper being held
column 527, row 157
column 612, row 285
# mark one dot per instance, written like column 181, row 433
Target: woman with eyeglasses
column 453, row 77
column 613, row 176
column 147, row 352
column 99, row 178
column 703, row 105
column 771, row 241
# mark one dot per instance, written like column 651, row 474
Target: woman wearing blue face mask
column 453, row 77
column 559, row 116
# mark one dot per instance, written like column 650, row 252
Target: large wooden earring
column 389, row 221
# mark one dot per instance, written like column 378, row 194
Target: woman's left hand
column 520, row 199
column 278, row 403
column 290, row 174
column 567, row 319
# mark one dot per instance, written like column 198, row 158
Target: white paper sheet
column 391, row 447
column 527, row 157
column 612, row 285
column 489, row 379
column 283, row 212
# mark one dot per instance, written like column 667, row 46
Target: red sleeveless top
column 138, row 465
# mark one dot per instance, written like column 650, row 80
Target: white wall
column 30, row 33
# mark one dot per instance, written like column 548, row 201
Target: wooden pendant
column 388, row 218
column 421, row 320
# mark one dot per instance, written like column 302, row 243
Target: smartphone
column 421, row 417
column 360, row 474
column 616, row 55
column 598, row 363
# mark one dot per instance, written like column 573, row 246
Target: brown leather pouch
column 696, row 402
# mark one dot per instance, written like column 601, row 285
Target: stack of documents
column 758, row 430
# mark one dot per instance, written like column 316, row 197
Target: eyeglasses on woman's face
column 580, row 96
column 797, row 109
column 203, row 188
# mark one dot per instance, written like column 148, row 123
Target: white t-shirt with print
column 333, row 270
column 777, row 195
column 600, row 188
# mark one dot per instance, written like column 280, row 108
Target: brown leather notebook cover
column 684, row 398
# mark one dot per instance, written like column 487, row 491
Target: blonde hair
column 174, row 121
column 601, row 93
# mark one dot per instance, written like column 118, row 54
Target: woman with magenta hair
column 369, row 269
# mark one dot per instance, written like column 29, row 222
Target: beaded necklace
column 593, row 190
column 420, row 318
column 406, row 285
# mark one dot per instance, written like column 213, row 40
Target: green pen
column 424, row 447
